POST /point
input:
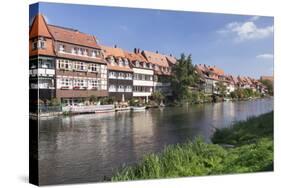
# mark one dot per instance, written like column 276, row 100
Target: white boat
column 138, row 108
column 104, row 111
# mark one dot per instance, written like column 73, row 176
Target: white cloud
column 242, row 31
column 265, row 56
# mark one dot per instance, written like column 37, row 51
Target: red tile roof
column 115, row 52
column 156, row 58
column 73, row 36
column 135, row 57
column 39, row 27
column 172, row 60
column 216, row 70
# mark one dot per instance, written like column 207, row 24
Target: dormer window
column 120, row 62
column 137, row 64
column 111, row 60
column 85, row 52
column 61, row 48
column 38, row 43
column 94, row 53
column 126, row 62
column 79, row 51
column 98, row 53
column 73, row 50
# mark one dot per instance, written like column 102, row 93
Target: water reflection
column 86, row 148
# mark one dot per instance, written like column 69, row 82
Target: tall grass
column 253, row 152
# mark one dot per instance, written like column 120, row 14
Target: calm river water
column 85, row 148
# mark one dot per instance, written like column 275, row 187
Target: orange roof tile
column 270, row 78
column 39, row 27
column 216, row 70
column 135, row 57
column 156, row 58
column 73, row 36
column 171, row 59
column 115, row 52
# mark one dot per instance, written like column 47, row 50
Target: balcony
column 42, row 72
column 112, row 89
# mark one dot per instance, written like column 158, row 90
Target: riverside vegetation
column 247, row 146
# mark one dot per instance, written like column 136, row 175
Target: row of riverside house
column 71, row 66
column 211, row 75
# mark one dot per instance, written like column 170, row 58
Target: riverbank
column 247, row 146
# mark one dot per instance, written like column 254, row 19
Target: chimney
column 138, row 50
column 115, row 46
column 135, row 50
column 170, row 55
column 157, row 51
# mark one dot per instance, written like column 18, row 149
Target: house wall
column 142, row 88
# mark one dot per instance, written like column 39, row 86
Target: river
column 86, row 148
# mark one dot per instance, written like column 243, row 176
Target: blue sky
column 241, row 45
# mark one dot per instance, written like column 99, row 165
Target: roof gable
column 135, row 56
column 39, row 27
column 115, row 52
column 156, row 58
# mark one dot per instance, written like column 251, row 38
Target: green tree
column 157, row 96
column 55, row 102
column 269, row 85
column 93, row 98
column 183, row 76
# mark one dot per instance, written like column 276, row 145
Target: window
column 121, row 75
column 112, row 88
column 34, row 45
column 128, row 76
column 79, row 66
column 128, row 89
column 93, row 83
column 120, row 62
column 120, row 88
column 92, row 68
column 73, row 50
column 79, row 51
column 112, row 74
column 65, row 82
column 61, row 48
column 85, row 52
column 137, row 64
column 94, row 53
column 38, row 43
column 126, row 62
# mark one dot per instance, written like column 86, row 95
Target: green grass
column 252, row 152
column 246, row 132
